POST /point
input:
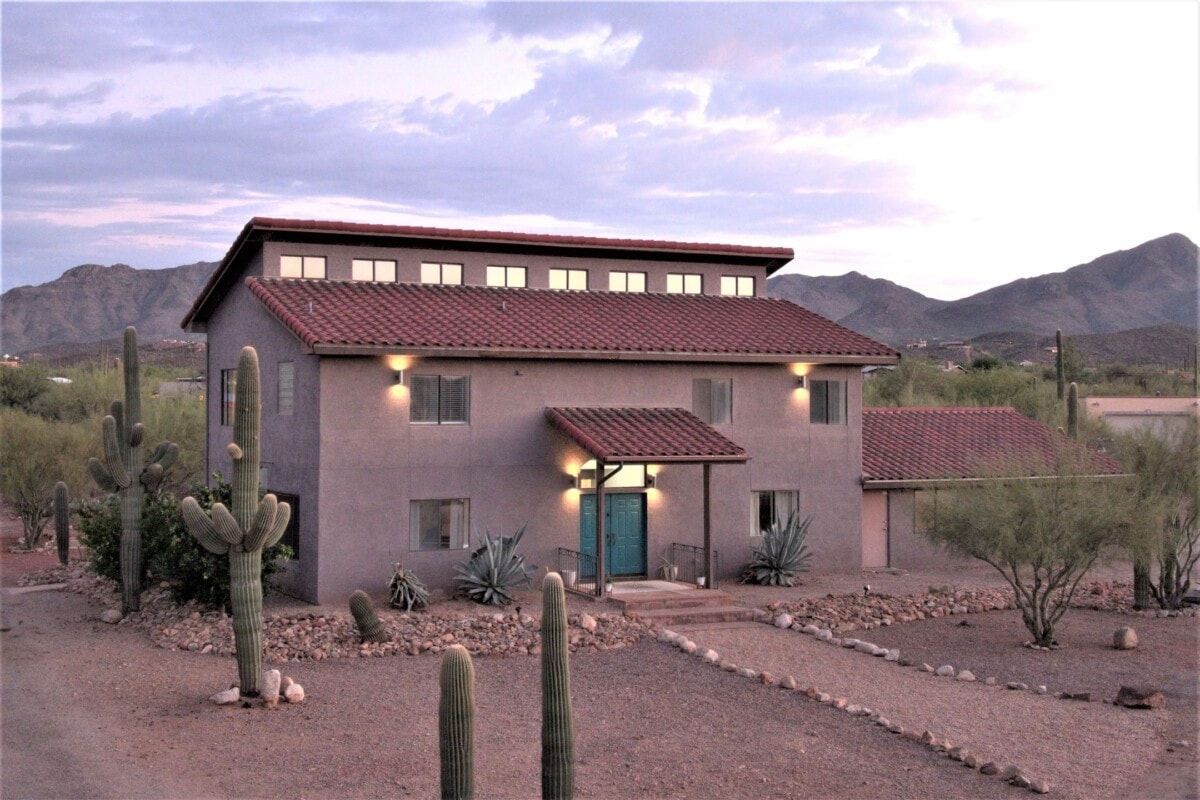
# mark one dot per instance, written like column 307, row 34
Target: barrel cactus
column 125, row 471
column 253, row 526
column 558, row 732
column 62, row 522
column 365, row 618
column 456, row 724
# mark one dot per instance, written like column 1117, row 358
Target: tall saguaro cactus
column 456, row 724
column 62, row 522
column 124, row 471
column 252, row 527
column 1060, row 366
column 558, row 732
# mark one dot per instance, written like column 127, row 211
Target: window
column 441, row 273
column 302, row 266
column 286, row 387
column 739, row 285
column 513, row 277
column 684, row 283
column 630, row 476
column 365, row 269
column 771, row 508
column 827, row 403
column 627, row 281
column 291, row 535
column 228, row 395
column 572, row 279
column 712, row 400
column 440, row 399
column 438, row 524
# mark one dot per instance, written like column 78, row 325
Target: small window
column 738, row 285
column 365, row 269
column 512, row 277
column 291, row 536
column 228, row 395
column 630, row 476
column 441, row 273
column 626, row 281
column 827, row 403
column 684, row 283
column 302, row 266
column 574, row 280
column 712, row 400
column 286, row 388
column 772, row 508
column 438, row 524
column 440, row 399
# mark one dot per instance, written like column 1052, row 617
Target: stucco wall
column 908, row 549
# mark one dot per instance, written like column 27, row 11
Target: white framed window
column 450, row 274
column 771, row 508
column 827, row 403
column 376, row 270
column 737, row 285
column 575, row 280
column 626, row 281
column 684, row 283
column 440, row 400
column 302, row 267
column 438, row 524
column 630, row 476
column 512, row 277
column 228, row 395
column 712, row 400
column 285, row 388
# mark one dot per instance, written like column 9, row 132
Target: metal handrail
column 690, row 562
column 578, row 571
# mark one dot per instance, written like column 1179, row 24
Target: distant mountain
column 90, row 303
column 1151, row 284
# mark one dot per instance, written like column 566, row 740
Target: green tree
column 1042, row 534
column 36, row 455
column 1167, row 466
column 21, row 387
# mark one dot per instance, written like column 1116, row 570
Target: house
column 423, row 383
column 911, row 453
column 1128, row 414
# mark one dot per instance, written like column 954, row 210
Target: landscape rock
column 1040, row 786
column 587, row 622
column 965, row 675
column 271, row 679
column 926, row 667
column 1139, row 697
column 1125, row 638
column 227, row 697
column 294, row 693
column 990, row 768
column 788, row 682
column 944, row 671
column 783, row 621
column 1016, row 686
column 892, row 655
column 110, row 615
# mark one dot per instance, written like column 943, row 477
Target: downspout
column 601, row 478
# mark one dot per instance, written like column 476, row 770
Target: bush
column 169, row 552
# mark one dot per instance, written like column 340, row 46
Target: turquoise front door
column 625, row 529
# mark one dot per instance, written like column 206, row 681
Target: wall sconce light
column 801, row 382
column 651, row 480
column 399, row 377
column 572, row 481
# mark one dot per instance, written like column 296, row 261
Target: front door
column 874, row 530
column 625, row 530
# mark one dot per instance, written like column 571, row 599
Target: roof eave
column 950, row 483
column 333, row 349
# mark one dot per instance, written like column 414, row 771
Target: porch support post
column 708, row 559
column 601, row 577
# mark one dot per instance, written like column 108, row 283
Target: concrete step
column 666, row 617
column 652, row 601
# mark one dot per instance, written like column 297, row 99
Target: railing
column 578, row 571
column 690, row 561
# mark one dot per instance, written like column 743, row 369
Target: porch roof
column 645, row 435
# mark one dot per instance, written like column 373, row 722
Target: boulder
column 1125, row 638
column 271, row 680
column 110, row 615
column 1139, row 697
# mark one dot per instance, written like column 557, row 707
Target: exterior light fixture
column 572, row 481
column 801, row 382
column 399, row 377
column 651, row 480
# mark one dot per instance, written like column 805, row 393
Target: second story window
column 440, row 400
column 712, row 400
column 512, row 277
column 684, row 283
column 441, row 273
column 573, row 279
column 302, row 266
column 626, row 281
column 365, row 269
column 739, row 285
column 228, row 395
column 827, row 403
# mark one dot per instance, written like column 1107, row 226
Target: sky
column 947, row 147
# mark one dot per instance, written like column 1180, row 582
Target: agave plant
column 494, row 570
column 406, row 589
column 782, row 555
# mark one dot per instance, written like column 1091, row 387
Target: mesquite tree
column 125, row 472
column 253, row 526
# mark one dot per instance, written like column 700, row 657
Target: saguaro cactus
column 125, row 471
column 253, row 526
column 1073, row 410
column 1059, row 365
column 558, row 732
column 365, row 618
column 62, row 522
column 456, row 724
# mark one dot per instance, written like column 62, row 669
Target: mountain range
column 1153, row 284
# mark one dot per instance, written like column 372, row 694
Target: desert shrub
column 35, row 455
column 783, row 554
column 495, row 570
column 406, row 590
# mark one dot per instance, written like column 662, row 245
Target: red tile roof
column 261, row 228
column 931, row 444
column 348, row 316
column 644, row 435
